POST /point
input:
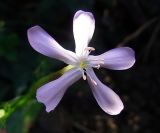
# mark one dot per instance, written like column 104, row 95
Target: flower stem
column 7, row 108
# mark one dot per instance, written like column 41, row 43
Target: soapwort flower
column 120, row 58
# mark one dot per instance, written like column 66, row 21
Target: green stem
column 10, row 106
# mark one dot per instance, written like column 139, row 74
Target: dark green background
column 133, row 23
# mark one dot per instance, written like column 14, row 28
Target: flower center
column 83, row 64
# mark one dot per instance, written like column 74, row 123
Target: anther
column 83, row 75
column 98, row 66
column 94, row 82
column 89, row 49
column 101, row 62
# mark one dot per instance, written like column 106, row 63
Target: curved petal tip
column 51, row 93
column 107, row 99
column 120, row 58
column 118, row 109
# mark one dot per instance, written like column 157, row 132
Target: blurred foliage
column 11, row 108
column 8, row 46
column 24, row 118
column 118, row 23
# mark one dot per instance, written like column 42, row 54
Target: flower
column 120, row 58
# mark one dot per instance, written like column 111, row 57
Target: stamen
column 88, row 50
column 94, row 82
column 98, row 66
column 96, row 62
column 101, row 62
column 98, row 59
column 83, row 75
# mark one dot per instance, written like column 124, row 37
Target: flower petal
column 51, row 93
column 83, row 29
column 43, row 43
column 107, row 99
column 116, row 59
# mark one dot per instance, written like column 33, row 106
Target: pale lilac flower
column 83, row 28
